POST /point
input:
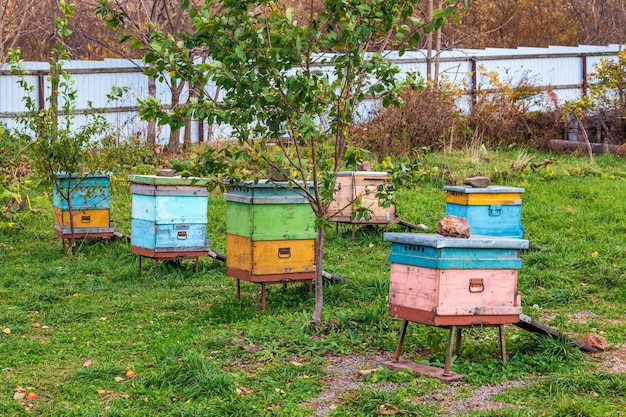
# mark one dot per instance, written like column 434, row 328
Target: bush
column 426, row 119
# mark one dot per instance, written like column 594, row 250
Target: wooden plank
column 413, row 287
column 270, row 221
column 494, row 288
column 84, row 219
column 422, row 369
column 529, row 324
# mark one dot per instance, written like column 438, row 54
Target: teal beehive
column 169, row 217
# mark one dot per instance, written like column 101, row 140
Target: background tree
column 287, row 116
column 58, row 145
column 15, row 24
column 136, row 22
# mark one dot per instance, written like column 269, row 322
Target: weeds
column 77, row 327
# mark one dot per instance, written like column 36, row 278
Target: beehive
column 169, row 216
column 444, row 281
column 489, row 211
column 270, row 234
column 352, row 185
column 90, row 203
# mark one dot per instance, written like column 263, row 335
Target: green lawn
column 73, row 328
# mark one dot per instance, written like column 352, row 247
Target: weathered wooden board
column 84, row 219
column 169, row 209
column 270, row 221
column 351, row 185
column 169, row 237
column 422, row 369
column 91, row 192
column 270, row 257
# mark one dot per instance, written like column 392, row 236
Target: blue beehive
column 489, row 211
column 169, row 216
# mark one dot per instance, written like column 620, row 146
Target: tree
column 136, row 22
column 266, row 64
column 59, row 146
column 14, row 24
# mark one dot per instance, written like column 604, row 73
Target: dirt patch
column 451, row 399
column 613, row 360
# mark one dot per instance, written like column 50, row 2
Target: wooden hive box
column 354, row 184
column 444, row 281
column 489, row 211
column 90, row 201
column 270, row 233
column 169, row 216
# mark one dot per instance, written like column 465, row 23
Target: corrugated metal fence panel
column 557, row 67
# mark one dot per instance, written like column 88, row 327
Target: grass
column 76, row 327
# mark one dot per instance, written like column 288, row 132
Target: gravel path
column 451, row 399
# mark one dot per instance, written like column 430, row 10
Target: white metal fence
column 564, row 70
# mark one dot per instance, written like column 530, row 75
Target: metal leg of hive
column 311, row 286
column 502, row 343
column 396, row 355
column 156, row 266
column 353, row 231
column 285, row 285
column 446, row 368
column 262, row 296
column 459, row 335
column 238, row 290
column 337, row 227
column 139, row 271
column 197, row 265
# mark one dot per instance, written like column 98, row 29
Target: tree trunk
column 174, row 140
column 429, row 43
column 319, row 279
column 151, row 131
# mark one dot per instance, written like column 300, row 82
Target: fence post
column 584, row 74
column 474, row 81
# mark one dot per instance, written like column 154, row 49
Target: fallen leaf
column 371, row 245
column 119, row 379
column 295, row 363
column 100, row 391
column 595, row 254
column 388, row 410
column 129, row 374
column 243, row 391
column 36, row 325
column 6, row 331
column 87, row 363
column 20, row 389
column 103, row 318
column 45, row 342
column 19, row 396
column 30, row 396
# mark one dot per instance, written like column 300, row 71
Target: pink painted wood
column 455, row 292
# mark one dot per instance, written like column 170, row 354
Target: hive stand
column 272, row 279
column 453, row 346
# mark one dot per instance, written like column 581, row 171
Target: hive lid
column 492, row 189
column 267, row 192
column 473, row 242
column 96, row 174
column 363, row 173
column 158, row 180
